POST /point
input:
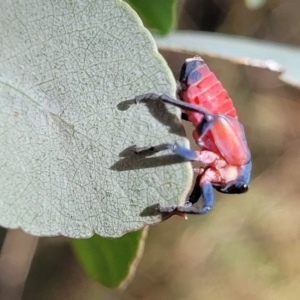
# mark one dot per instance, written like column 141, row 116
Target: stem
column 15, row 260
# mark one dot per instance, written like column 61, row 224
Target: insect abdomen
column 200, row 86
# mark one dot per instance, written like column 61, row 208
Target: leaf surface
column 67, row 129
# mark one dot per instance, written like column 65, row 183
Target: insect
column 217, row 131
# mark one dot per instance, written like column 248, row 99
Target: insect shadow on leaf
column 151, row 210
column 160, row 112
column 132, row 161
column 154, row 210
column 129, row 158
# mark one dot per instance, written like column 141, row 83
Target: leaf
column 66, row 131
column 156, row 14
column 247, row 51
column 255, row 4
column 111, row 262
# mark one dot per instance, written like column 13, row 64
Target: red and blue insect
column 217, row 131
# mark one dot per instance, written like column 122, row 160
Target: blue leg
column 175, row 148
column 208, row 197
column 208, row 201
column 206, row 189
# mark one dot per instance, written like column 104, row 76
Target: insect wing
column 229, row 138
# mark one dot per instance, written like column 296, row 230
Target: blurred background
column 273, row 20
column 248, row 247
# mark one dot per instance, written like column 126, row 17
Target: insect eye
column 238, row 188
column 244, row 188
column 234, row 188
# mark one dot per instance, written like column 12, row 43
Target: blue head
column 240, row 185
column 189, row 74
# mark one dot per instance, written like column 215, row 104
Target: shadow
column 153, row 210
column 143, row 160
column 132, row 161
column 124, row 105
column 160, row 112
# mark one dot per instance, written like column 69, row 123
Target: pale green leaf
column 66, row 134
column 255, row 4
column 273, row 56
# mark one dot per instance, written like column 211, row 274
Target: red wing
column 229, row 137
column 226, row 136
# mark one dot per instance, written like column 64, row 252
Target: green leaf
column 67, row 130
column 156, row 14
column 241, row 50
column 111, row 262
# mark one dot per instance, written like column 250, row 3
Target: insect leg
column 207, row 193
column 207, row 207
column 175, row 148
column 178, row 103
column 204, row 156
